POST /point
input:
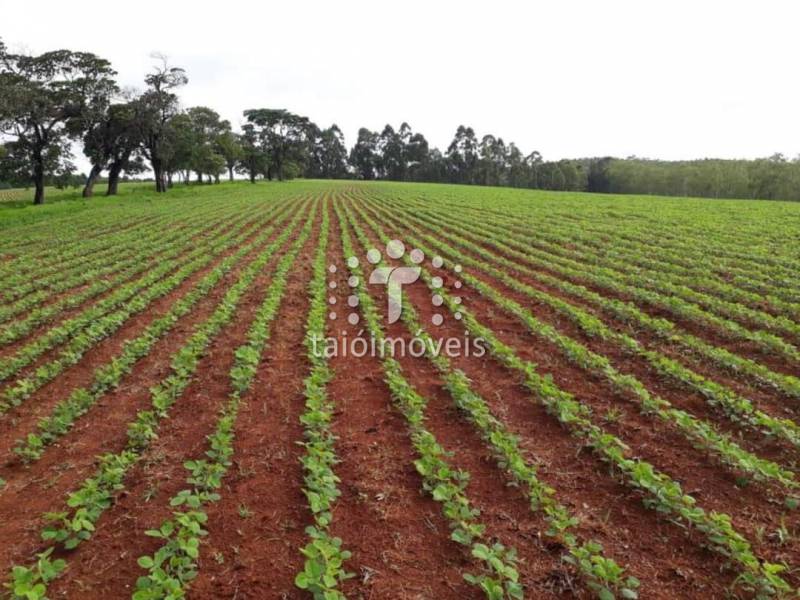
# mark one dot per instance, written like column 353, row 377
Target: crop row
column 498, row 577
column 740, row 410
column 161, row 248
column 86, row 504
column 623, row 312
column 691, row 261
column 661, row 492
column 602, row 574
column 613, row 282
column 132, row 299
column 697, row 431
column 109, row 375
column 174, row 565
column 324, row 556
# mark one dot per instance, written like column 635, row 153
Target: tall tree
column 328, row 154
column 112, row 143
column 391, row 149
column 283, row 137
column 254, row 158
column 206, row 127
column 417, row 155
column 364, row 155
column 229, row 146
column 159, row 105
column 48, row 99
column 462, row 155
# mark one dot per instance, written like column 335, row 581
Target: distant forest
column 51, row 101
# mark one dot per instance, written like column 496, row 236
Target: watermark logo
column 394, row 277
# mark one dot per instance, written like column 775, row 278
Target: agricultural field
column 319, row 389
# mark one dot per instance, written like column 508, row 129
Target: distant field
column 584, row 396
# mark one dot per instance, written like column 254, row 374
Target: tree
column 534, row 163
column 254, row 158
column 599, row 179
column 112, row 143
column 462, row 155
column 47, row 100
column 417, row 155
column 327, row 153
column 391, row 151
column 229, row 147
column 364, row 155
column 283, row 136
column 159, row 105
column 206, row 127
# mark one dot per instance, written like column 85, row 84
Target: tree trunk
column 230, row 174
column 94, row 175
column 114, row 172
column 216, row 178
column 169, row 179
column 158, row 173
column 38, row 178
column 199, row 177
column 252, row 176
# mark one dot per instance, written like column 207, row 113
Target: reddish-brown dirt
column 102, row 430
column 151, row 260
column 257, row 528
column 397, row 533
column 503, row 509
column 21, row 420
column 107, row 567
column 768, row 400
column 707, row 333
column 752, row 507
column 180, row 261
column 669, row 562
column 196, row 410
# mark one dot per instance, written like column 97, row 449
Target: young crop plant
column 174, row 565
column 738, row 409
column 94, row 324
column 161, row 249
column 661, row 492
column 697, row 431
column 109, row 375
column 325, row 557
column 70, row 528
column 499, row 576
column 623, row 311
column 602, row 574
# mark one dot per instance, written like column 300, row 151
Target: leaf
column 301, row 581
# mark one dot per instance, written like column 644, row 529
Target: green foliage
column 174, row 564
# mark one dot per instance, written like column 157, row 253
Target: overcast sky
column 669, row 79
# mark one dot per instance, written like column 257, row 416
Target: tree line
column 49, row 101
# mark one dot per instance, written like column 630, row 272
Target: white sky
column 668, row 79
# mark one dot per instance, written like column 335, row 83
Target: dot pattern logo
column 394, row 278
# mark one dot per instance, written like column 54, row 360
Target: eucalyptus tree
column 364, row 156
column 462, row 155
column 327, row 153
